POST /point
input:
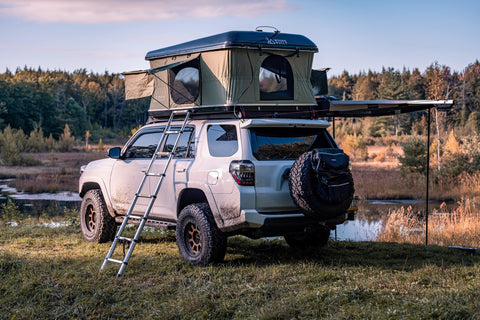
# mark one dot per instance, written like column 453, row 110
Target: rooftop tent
column 247, row 68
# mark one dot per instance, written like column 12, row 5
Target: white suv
column 255, row 177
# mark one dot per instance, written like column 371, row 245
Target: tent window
column 276, row 79
column 185, row 82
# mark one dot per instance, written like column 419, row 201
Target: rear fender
column 196, row 195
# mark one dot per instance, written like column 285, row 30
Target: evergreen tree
column 365, row 87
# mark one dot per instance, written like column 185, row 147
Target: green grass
column 52, row 273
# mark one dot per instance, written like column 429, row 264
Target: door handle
column 181, row 170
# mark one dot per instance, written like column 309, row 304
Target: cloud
column 116, row 11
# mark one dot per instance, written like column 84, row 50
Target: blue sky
column 114, row 35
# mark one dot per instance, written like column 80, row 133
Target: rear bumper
column 276, row 224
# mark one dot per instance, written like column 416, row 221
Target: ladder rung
column 163, row 153
column 156, row 174
column 173, row 131
column 126, row 239
column 180, row 111
column 115, row 260
column 145, row 195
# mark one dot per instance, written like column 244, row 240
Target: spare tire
column 321, row 184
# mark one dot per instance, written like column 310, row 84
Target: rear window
column 288, row 143
column 222, row 140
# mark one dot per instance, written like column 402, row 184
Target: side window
column 144, row 146
column 222, row 140
column 186, row 145
column 276, row 79
column 185, row 82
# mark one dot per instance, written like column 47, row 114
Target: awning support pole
column 428, row 177
column 333, row 127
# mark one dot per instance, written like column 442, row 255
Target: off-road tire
column 199, row 240
column 313, row 239
column 303, row 185
column 96, row 223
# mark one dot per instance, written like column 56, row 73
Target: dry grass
column 383, row 180
column 458, row 228
column 58, row 172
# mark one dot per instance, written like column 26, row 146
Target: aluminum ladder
column 166, row 133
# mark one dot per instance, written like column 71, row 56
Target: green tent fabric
column 227, row 77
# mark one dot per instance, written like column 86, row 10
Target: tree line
column 48, row 100
column 437, row 82
column 34, row 100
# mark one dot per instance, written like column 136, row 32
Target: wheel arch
column 91, row 185
column 190, row 196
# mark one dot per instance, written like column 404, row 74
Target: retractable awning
column 372, row 108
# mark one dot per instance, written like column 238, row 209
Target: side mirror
column 114, row 152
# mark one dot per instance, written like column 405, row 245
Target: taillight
column 243, row 171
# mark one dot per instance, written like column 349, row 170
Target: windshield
column 288, row 143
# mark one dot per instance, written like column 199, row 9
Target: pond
column 365, row 227
column 371, row 213
column 37, row 204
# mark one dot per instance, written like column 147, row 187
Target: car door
column 129, row 170
column 176, row 175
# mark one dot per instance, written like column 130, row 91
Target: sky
column 352, row 35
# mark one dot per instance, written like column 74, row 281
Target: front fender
column 95, row 176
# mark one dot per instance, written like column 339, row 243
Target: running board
column 135, row 220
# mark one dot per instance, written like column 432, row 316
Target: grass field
column 51, row 273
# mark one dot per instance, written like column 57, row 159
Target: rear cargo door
column 275, row 150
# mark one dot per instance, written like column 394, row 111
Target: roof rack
column 242, row 112
column 325, row 108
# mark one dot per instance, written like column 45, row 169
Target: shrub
column 50, row 143
column 355, row 146
column 452, row 146
column 12, row 144
column 36, row 141
column 100, row 146
column 9, row 212
column 71, row 217
column 414, row 157
column 66, row 141
column 473, row 123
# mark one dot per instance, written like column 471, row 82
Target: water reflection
column 37, row 204
column 357, row 230
column 371, row 214
column 365, row 227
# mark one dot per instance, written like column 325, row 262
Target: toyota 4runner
column 228, row 177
